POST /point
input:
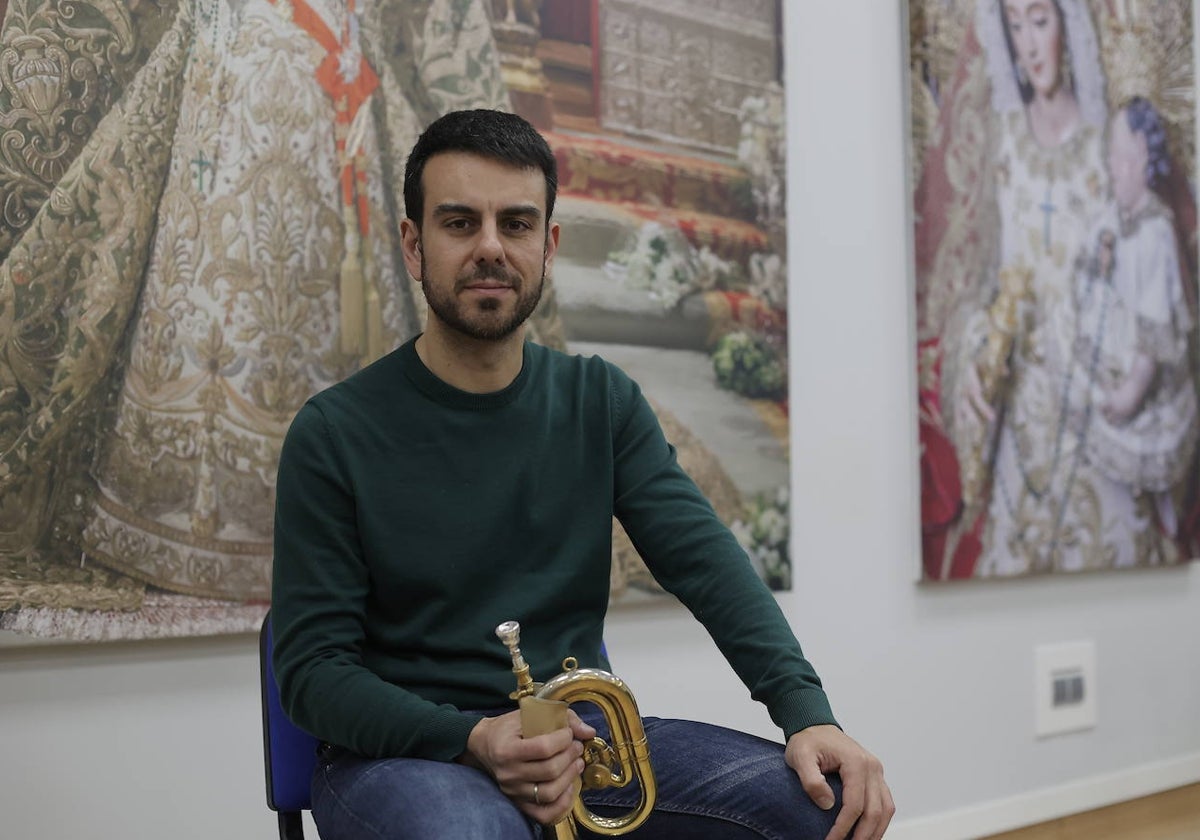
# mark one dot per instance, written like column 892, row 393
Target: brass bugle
column 605, row 765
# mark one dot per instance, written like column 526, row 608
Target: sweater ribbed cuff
column 444, row 735
column 801, row 709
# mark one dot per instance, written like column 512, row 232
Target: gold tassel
column 351, row 299
column 374, row 315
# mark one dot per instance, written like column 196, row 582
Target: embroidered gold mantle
column 176, row 298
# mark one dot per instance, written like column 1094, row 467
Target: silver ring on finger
column 536, row 798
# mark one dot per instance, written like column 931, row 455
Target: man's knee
column 406, row 798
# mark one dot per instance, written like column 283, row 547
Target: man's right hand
column 538, row 774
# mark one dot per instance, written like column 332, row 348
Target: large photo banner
column 199, row 229
column 1056, row 280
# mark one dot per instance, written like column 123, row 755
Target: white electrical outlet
column 1064, row 685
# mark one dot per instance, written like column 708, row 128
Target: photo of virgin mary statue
column 1015, row 173
column 200, row 231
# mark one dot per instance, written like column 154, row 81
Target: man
column 470, row 477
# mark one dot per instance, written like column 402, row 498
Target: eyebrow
column 452, row 209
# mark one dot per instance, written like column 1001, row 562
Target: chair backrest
column 289, row 753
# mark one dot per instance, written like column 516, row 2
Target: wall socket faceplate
column 1064, row 684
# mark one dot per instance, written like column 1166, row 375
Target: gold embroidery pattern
column 211, row 192
column 964, row 254
column 238, row 324
column 65, row 299
column 83, row 587
column 62, row 65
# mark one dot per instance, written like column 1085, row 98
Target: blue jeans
column 713, row 784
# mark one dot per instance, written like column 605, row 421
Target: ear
column 551, row 246
column 410, row 242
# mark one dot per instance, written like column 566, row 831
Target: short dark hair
column 491, row 134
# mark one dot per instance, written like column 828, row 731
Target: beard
column 485, row 319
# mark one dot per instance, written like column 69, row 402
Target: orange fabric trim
column 347, row 99
column 304, row 16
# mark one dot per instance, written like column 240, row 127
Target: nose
column 488, row 248
column 1028, row 42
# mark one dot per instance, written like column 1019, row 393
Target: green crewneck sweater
column 413, row 517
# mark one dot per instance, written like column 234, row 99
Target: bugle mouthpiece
column 509, row 633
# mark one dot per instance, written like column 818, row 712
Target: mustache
column 490, row 271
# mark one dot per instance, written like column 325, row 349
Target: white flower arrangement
column 663, row 262
column 764, row 536
column 762, row 151
column 768, row 279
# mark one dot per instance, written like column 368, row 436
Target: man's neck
column 469, row 364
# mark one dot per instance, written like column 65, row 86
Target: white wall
column 145, row 741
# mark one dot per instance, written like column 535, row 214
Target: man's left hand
column 866, row 799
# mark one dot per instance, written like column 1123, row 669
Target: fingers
column 548, row 802
column 525, row 772
column 506, row 746
column 878, row 809
column 580, row 730
column 867, row 805
column 545, row 790
column 852, row 807
column 541, row 747
column 555, row 798
column 887, row 811
column 539, row 774
column 544, row 793
column 803, row 755
column 815, row 785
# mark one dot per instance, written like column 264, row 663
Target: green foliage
column 750, row 366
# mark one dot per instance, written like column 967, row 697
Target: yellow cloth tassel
column 375, row 347
column 352, row 299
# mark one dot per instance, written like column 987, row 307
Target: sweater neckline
column 446, row 394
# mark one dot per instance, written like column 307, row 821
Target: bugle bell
column 605, row 765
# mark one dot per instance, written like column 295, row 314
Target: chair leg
column 291, row 827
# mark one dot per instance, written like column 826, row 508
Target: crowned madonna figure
column 1012, row 188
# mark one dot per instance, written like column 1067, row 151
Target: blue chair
column 289, row 753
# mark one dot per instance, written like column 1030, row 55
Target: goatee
column 482, row 321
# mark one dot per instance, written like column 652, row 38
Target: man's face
column 483, row 249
